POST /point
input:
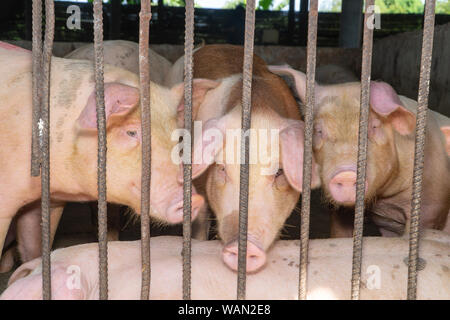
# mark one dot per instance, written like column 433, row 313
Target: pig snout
column 256, row 257
column 175, row 211
column 342, row 185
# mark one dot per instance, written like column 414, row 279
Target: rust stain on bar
column 37, row 76
column 245, row 142
column 45, row 148
column 187, row 167
column 144, row 79
column 362, row 151
column 307, row 164
column 421, row 122
column 101, row 126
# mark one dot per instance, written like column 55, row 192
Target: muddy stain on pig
column 445, row 268
column 69, row 86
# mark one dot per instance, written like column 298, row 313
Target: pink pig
column 73, row 140
column 390, row 156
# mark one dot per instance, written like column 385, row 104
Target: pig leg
column 447, row 224
column 29, row 230
column 8, row 260
column 341, row 223
column 201, row 225
column 4, row 226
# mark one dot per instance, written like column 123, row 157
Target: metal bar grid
column 187, row 167
column 421, row 122
column 246, row 121
column 245, row 144
column 45, row 148
column 144, row 79
column 362, row 152
column 101, row 173
column 37, row 65
column 307, row 154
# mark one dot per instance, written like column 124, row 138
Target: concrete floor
column 77, row 227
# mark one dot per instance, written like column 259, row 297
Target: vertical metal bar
column 37, row 65
column 421, row 122
column 307, row 164
column 101, row 126
column 187, row 167
column 45, row 148
column 245, row 143
column 362, row 152
column 144, row 78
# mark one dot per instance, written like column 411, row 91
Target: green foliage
column 261, row 4
column 400, row 6
column 231, row 4
column 443, row 6
column 386, row 6
column 393, row 6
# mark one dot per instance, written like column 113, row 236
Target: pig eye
column 280, row 182
column 318, row 130
column 279, row 173
column 132, row 133
column 376, row 123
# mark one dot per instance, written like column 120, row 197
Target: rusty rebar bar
column 362, row 151
column 187, row 167
column 421, row 122
column 101, row 126
column 245, row 144
column 144, row 79
column 37, row 81
column 45, row 148
column 307, row 154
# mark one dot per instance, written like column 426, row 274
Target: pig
column 73, row 141
column 119, row 53
column 274, row 185
column 384, row 271
column 390, row 159
column 334, row 74
column 125, row 54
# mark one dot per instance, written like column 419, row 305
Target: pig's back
column 125, row 54
column 221, row 61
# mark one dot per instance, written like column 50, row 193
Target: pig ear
column 385, row 101
column 292, row 145
column 120, row 99
column 299, row 79
column 200, row 87
column 207, row 146
column 446, row 132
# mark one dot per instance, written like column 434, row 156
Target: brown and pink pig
column 275, row 181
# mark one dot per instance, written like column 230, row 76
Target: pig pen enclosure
column 310, row 214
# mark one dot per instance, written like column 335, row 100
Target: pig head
column 276, row 162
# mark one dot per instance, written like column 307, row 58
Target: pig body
column 275, row 184
column 125, row 54
column 73, row 140
column 384, row 272
column 390, row 157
